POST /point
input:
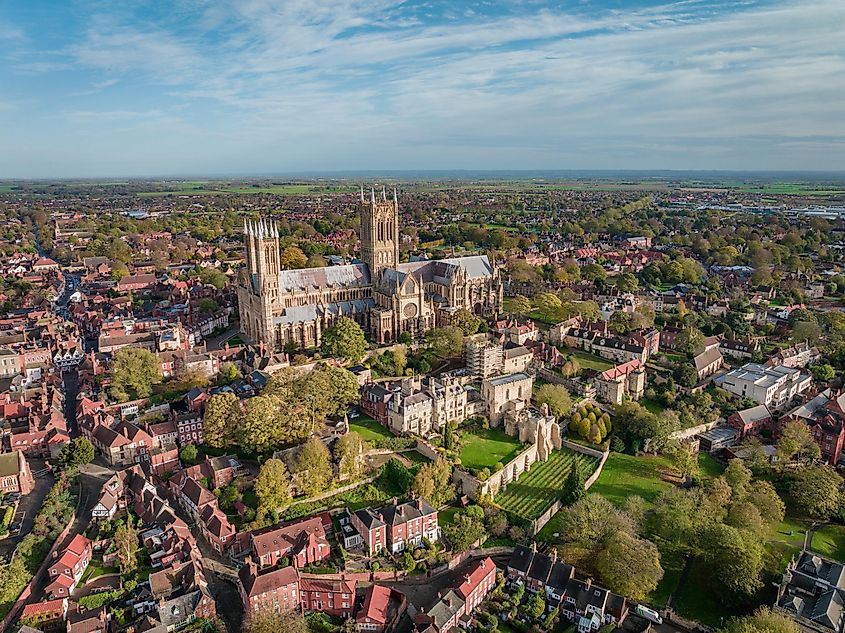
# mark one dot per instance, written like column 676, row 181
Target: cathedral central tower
column 379, row 231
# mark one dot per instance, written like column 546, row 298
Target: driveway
column 28, row 505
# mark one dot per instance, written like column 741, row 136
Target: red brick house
column 15, row 475
column 825, row 416
column 275, row 589
column 303, row 542
column 396, row 527
column 479, row 581
column 383, row 606
column 750, row 421
column 68, row 568
column 333, row 596
column 48, row 612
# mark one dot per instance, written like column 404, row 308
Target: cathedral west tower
column 379, row 231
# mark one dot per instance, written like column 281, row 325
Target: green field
column 486, row 448
column 652, row 405
column 709, row 467
column 626, row 475
column 589, row 361
column 535, row 490
column 368, row 429
column 202, row 188
column 829, row 541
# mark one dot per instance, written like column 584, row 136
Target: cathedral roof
column 475, row 266
column 326, row 277
column 309, row 313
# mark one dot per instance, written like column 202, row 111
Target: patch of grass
column 829, row 541
column 652, row 405
column 627, row 475
column 368, row 429
column 672, row 568
column 535, row 490
column 446, row 517
column 416, row 457
column 786, row 539
column 96, row 569
column 487, row 447
column 697, row 601
column 588, row 361
column 709, row 467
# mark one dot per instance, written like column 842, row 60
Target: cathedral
column 284, row 308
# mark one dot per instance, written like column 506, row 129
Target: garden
column 534, row 491
column 487, row 448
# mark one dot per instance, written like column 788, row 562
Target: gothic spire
column 373, row 196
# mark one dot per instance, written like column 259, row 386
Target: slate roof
column 326, row 277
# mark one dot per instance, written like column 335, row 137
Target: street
column 28, row 505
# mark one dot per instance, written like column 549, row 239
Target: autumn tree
column 344, row 340
column 433, row 483
column 312, row 468
column 125, row 541
column 272, row 486
column 764, row 620
column 293, row 257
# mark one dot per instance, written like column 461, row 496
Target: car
column 12, row 497
column 15, row 527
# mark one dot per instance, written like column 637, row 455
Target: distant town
column 422, row 405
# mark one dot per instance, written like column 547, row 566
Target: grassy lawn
column 588, row 361
column 368, row 429
column 95, row 569
column 709, row 467
column 485, row 448
column 537, row 489
column 829, row 541
column 447, row 516
column 652, row 405
column 415, row 457
column 626, row 475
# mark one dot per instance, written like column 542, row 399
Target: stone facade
column 294, row 307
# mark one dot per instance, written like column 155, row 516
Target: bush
column 97, row 600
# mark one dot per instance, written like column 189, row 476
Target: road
column 217, row 342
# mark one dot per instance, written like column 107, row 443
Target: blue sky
column 104, row 88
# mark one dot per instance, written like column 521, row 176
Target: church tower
column 262, row 280
column 379, row 231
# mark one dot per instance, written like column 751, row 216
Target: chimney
column 466, row 578
column 395, row 501
column 534, row 546
column 420, row 504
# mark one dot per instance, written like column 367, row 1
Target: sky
column 102, row 88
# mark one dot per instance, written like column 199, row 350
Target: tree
column 796, row 442
column 520, row 305
column 349, row 455
column 536, row 606
column 557, row 397
column 738, row 476
column 312, row 468
column 816, row 492
column 685, row 375
column 594, row 273
column 735, row 561
column 764, row 620
column 548, row 303
column 445, row 342
column 766, row 499
column 408, row 562
column 573, row 488
column 466, row 530
column 345, row 340
column 189, row 454
column 626, row 282
column 466, row 321
column 433, row 483
column 293, row 257
column 690, row 340
column 806, row 331
column 267, row 621
column 619, row 322
column 136, row 369
column 272, row 486
column 684, row 459
column 125, row 541
column 823, row 373
column 228, row 373
column 398, row 477
column 629, row 566
column 221, row 420
column 77, row 452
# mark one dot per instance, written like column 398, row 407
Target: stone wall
column 427, row 449
column 686, row 434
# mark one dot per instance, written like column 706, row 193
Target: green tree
column 136, row 369
column 548, row 304
column 445, row 342
column 739, row 477
column 466, row 321
column 349, row 455
column 766, row 499
column 823, row 373
column 312, row 468
column 77, row 452
column 520, row 305
column 189, row 454
column 433, row 483
column 690, row 340
column 221, row 420
column 345, row 340
column 629, row 566
column 228, row 374
column 557, row 397
column 619, row 322
column 466, row 530
column 796, row 443
column 735, row 561
column 685, row 375
column 816, row 492
column 626, row 282
column 272, row 486
column 408, row 562
column 536, row 606
column 573, row 487
column 764, row 620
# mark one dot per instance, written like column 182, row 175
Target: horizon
column 271, row 87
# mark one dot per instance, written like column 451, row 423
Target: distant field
column 202, row 188
column 535, row 490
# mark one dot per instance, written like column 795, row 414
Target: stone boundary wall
column 427, row 449
column 540, row 522
column 686, row 434
column 580, row 448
